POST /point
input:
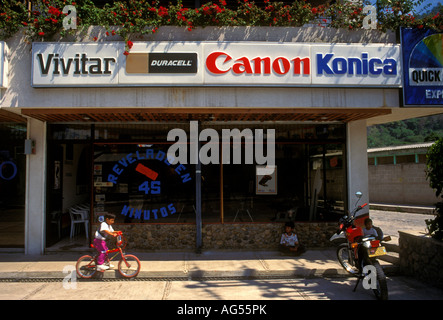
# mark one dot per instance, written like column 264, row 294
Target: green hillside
column 406, row 131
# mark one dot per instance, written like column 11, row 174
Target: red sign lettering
column 258, row 65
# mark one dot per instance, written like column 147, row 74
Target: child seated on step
column 289, row 243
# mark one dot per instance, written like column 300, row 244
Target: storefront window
column 138, row 183
column 12, row 184
column 125, row 170
column 327, row 181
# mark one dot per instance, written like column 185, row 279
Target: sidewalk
column 314, row 263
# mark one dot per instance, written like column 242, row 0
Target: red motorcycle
column 358, row 253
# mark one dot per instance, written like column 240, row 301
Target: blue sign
column 423, row 67
column 9, row 176
column 147, row 187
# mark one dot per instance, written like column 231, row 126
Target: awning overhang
column 9, row 116
column 56, row 115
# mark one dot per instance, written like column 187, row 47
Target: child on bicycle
column 103, row 232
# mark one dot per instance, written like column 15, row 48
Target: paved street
column 315, row 280
column 391, row 222
column 400, row 288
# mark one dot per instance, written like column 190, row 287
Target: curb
column 401, row 208
column 190, row 276
column 199, row 275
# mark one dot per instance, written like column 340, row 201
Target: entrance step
column 391, row 257
column 391, row 247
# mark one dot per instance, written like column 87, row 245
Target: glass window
column 327, row 181
column 69, row 132
column 131, row 177
column 308, row 184
column 12, row 184
column 138, row 184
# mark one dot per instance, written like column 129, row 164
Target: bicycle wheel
column 129, row 266
column 86, row 267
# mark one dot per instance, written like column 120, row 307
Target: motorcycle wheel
column 381, row 291
column 345, row 259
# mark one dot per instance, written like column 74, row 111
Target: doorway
column 12, row 185
column 68, row 185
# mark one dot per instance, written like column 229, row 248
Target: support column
column 195, row 157
column 35, row 205
column 357, row 162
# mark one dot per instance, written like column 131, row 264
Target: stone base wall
column 249, row 236
column 421, row 257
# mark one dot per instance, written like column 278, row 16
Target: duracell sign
column 140, row 62
column 215, row 64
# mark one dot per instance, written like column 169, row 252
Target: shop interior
column 125, row 170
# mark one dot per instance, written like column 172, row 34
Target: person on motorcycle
column 370, row 230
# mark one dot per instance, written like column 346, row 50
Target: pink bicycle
column 128, row 266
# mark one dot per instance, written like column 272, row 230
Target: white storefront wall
column 344, row 92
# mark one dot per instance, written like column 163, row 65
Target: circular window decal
column 151, row 174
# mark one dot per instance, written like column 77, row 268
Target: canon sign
column 257, row 65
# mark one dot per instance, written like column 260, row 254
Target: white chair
column 79, row 216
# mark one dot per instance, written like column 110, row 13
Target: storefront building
column 266, row 124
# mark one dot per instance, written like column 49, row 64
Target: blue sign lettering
column 14, row 170
column 152, row 187
column 327, row 64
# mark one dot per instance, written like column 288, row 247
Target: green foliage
column 435, row 226
column 434, row 173
column 434, row 167
column 133, row 18
column 406, row 132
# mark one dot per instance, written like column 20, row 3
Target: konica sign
column 215, row 64
column 423, row 61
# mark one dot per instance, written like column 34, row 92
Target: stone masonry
column 248, row 236
column 421, row 257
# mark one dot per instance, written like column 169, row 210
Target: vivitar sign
column 216, row 64
column 74, row 64
column 423, row 61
